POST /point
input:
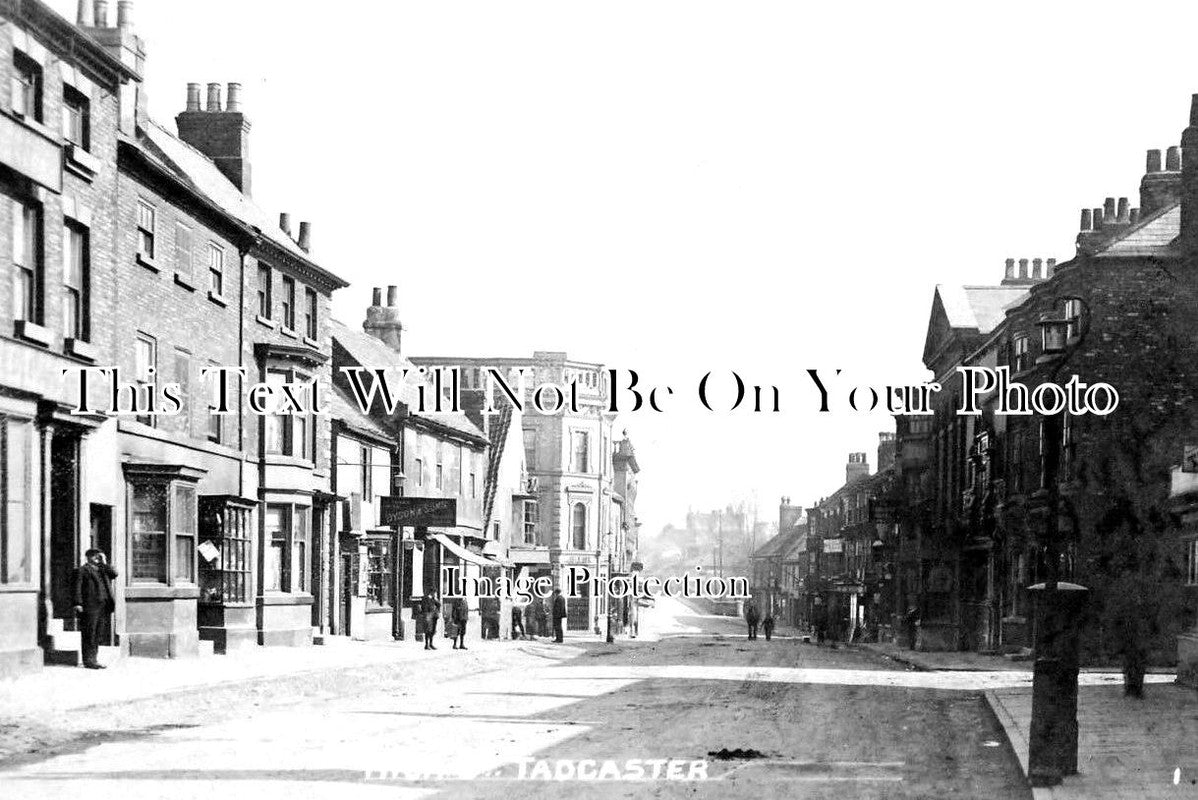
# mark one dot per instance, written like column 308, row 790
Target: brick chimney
column 886, row 449
column 1160, row 187
column 119, row 40
column 382, row 321
column 1189, row 179
column 788, row 514
column 858, row 467
column 221, row 133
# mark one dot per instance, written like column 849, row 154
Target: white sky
column 677, row 187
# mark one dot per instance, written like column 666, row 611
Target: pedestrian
column 911, row 627
column 767, row 625
column 93, row 601
column 752, row 616
column 430, row 609
column 459, row 615
column 559, row 614
column 517, row 621
column 542, row 614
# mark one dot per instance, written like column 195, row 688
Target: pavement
column 765, row 719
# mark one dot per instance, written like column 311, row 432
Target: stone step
column 66, row 640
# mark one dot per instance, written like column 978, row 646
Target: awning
column 461, row 552
column 494, row 551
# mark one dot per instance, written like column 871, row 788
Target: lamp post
column 1052, row 746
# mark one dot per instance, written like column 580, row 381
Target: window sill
column 81, row 349
column 288, row 332
column 219, row 299
column 81, row 163
column 147, row 262
column 266, row 321
column 160, row 591
column 286, row 599
column 315, row 345
column 184, row 282
column 280, row 460
column 31, row 332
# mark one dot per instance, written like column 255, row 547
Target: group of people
column 753, row 618
column 538, row 611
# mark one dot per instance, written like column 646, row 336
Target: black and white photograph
column 618, row 399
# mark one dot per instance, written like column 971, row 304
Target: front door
column 64, row 524
column 101, row 539
column 349, row 579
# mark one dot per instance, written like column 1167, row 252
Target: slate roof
column 369, row 352
column 343, row 407
column 978, row 307
column 777, row 545
column 1151, row 236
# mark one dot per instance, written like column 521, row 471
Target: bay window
column 289, row 434
column 162, row 524
column 225, row 569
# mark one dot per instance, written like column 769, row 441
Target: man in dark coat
column 93, row 600
column 459, row 615
column 767, row 625
column 517, row 622
column 542, row 613
column 430, row 609
column 752, row 616
column 559, row 614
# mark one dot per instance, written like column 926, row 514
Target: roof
column 778, row 544
column 978, row 307
column 1151, row 236
column 202, row 176
column 342, row 407
column 369, row 352
column 499, row 433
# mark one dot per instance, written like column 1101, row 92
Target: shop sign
column 398, row 512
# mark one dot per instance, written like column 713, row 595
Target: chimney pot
column 1194, row 110
column 213, row 97
column 392, row 296
column 85, row 17
column 1173, row 159
column 1135, row 216
column 1087, row 224
column 1010, row 272
column 285, row 222
column 1098, row 220
column 1037, row 268
column 305, row 236
column 1050, row 267
column 1154, row 161
column 193, row 97
column 1124, row 209
column 378, row 296
column 233, row 97
column 1023, row 268
column 101, row 9
column 124, row 14
column 1108, row 210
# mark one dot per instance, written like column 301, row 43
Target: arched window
column 580, row 526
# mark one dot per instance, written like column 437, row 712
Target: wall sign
column 397, row 512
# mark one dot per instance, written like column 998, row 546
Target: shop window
column 378, row 575
column 16, row 441
column 162, row 541
column 225, row 563
column 287, row 547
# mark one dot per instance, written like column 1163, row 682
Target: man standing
column 517, row 622
column 559, row 614
column 430, row 609
column 459, row 615
column 93, row 602
column 767, row 625
column 752, row 615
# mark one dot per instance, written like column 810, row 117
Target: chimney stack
column 858, row 467
column 285, row 222
column 101, row 9
column 1189, row 179
column 85, row 17
column 222, row 134
column 382, row 322
column 305, row 236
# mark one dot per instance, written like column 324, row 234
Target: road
column 713, row 715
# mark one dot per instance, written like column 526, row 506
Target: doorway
column 101, row 539
column 64, row 525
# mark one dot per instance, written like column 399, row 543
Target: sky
column 684, row 187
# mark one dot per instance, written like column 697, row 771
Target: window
column 27, row 262
column 147, row 548
column 184, row 253
column 1192, row 562
column 76, row 117
column 146, row 222
column 226, row 578
column 288, row 434
column 530, row 449
column 1023, row 355
column 145, row 370
column 579, row 526
column 287, row 538
column 183, row 515
column 530, row 521
column 75, row 282
column 419, row 472
column 473, row 486
column 216, row 269
column 288, row 302
column 365, row 466
column 1073, row 314
column 440, row 476
column 579, row 451
column 215, row 426
column 16, row 442
column 264, row 298
column 183, row 378
column 378, row 573
column 26, row 87
column 310, row 328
